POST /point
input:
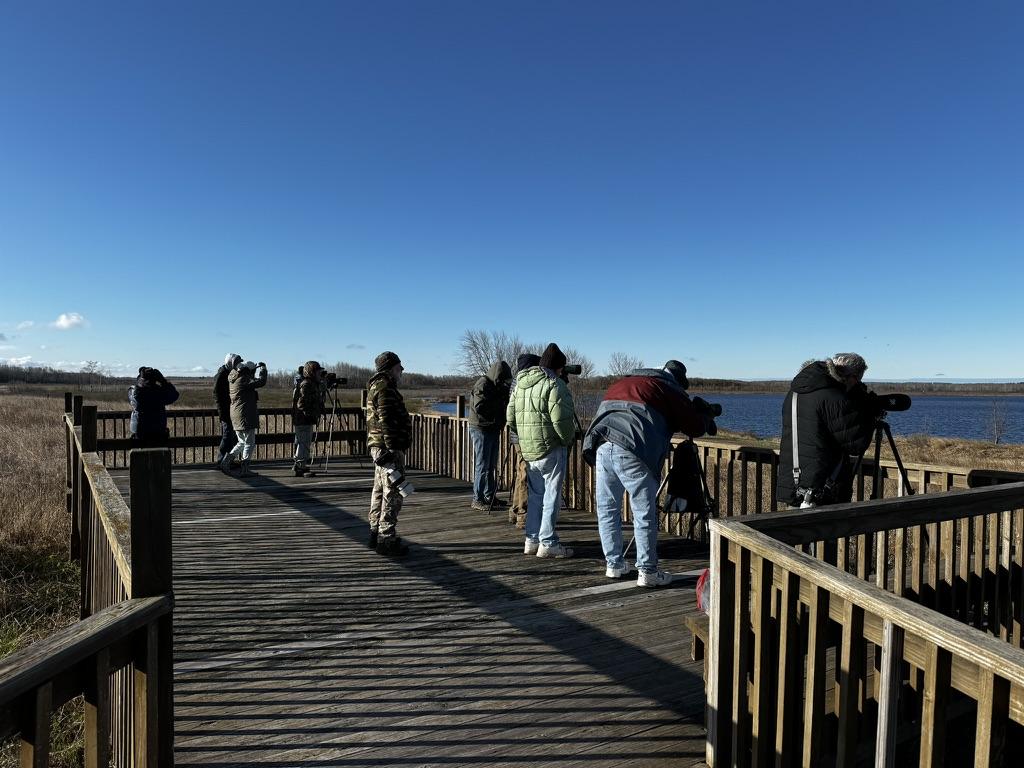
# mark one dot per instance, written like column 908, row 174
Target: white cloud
column 68, row 320
column 25, row 324
column 199, row 369
column 18, row 361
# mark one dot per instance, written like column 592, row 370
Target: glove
column 386, row 457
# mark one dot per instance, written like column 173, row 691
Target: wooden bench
column 699, row 625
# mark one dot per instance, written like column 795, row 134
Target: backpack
column 686, row 481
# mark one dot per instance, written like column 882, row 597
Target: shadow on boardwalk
column 296, row 645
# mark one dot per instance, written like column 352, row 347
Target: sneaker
column 511, row 516
column 555, row 550
column 372, row 541
column 617, row 573
column 653, row 579
column 392, row 546
column 530, row 547
column 478, row 506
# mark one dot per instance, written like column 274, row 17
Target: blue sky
column 739, row 185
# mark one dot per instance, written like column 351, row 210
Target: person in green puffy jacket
column 542, row 415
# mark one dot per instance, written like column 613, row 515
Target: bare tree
column 574, row 357
column 622, row 364
column 997, row 420
column 479, row 349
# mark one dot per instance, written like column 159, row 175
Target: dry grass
column 38, row 583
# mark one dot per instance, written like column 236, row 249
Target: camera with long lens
column 880, row 405
column 332, row 380
column 396, row 478
column 710, row 411
column 572, row 370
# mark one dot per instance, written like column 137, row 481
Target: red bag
column 704, row 591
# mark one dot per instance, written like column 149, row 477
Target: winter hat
column 678, row 371
column 231, row 359
column 249, row 365
column 552, row 359
column 385, row 361
column 527, row 360
column 844, row 364
column 311, row 368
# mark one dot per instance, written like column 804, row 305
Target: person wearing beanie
column 307, row 405
column 149, row 398
column 520, row 490
column 243, row 382
column 388, row 436
column 834, row 422
column 488, row 403
column 627, row 443
column 222, row 395
column 543, row 416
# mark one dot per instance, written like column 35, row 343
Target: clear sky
column 741, row 185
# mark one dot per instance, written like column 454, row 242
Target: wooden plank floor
column 295, row 645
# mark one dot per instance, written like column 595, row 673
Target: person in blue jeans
column 627, row 443
column 487, row 405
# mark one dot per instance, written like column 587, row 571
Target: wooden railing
column 195, row 434
column 742, row 478
column 780, row 617
column 119, row 656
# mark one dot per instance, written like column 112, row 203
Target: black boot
column 392, row 546
column 372, row 543
column 299, row 470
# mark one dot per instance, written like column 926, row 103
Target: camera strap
column 796, row 444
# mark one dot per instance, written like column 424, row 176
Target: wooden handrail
column 42, row 661
column 198, row 412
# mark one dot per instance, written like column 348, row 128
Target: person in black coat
column 149, row 398
column 488, row 403
column 834, row 422
column 221, row 392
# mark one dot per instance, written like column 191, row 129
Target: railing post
column 88, row 417
column 152, row 574
column 70, row 466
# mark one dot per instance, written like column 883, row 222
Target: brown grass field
column 39, row 585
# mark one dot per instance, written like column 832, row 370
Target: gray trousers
column 303, row 438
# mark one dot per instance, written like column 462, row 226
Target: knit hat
column 552, row 358
column 844, row 364
column 527, row 360
column 678, row 371
column 311, row 368
column 386, row 361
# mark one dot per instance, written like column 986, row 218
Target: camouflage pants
column 386, row 501
column 520, row 491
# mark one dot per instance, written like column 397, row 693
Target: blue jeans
column 544, row 478
column 619, row 471
column 485, row 460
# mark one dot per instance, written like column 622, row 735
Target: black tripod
column 882, row 427
column 325, row 448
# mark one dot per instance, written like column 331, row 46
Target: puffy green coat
column 541, row 413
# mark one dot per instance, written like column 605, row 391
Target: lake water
column 935, row 415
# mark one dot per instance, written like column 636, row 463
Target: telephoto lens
column 573, row 370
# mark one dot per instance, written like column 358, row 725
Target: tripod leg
column 907, row 487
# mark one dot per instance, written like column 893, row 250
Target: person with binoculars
column 307, row 407
column 149, row 398
column 243, row 382
column 627, row 443
column 828, row 416
column 222, row 394
column 388, row 437
column 542, row 414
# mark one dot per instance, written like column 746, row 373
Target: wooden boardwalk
column 295, row 645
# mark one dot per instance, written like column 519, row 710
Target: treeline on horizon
column 358, row 376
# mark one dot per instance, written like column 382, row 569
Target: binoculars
column 572, row 370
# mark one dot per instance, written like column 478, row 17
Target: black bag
column 686, row 481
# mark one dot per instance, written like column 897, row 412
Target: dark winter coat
column 222, row 393
column 388, row 424
column 149, row 401
column 832, row 425
column 489, row 398
column 243, row 384
column 640, row 413
column 307, row 401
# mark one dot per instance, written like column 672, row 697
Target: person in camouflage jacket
column 388, row 436
column 307, row 405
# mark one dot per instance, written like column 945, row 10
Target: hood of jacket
column 814, row 377
column 500, row 373
column 534, row 375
